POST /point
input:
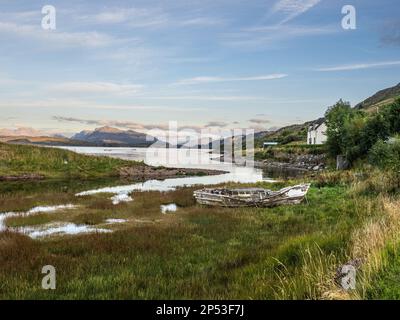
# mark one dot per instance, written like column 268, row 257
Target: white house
column 317, row 132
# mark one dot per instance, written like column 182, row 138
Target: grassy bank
column 17, row 160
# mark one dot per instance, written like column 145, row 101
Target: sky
column 259, row 64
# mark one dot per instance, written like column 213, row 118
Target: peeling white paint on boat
column 172, row 207
column 58, row 229
column 35, row 210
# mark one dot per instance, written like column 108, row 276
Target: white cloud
column 146, row 18
column 293, row 8
column 205, row 98
column 96, row 88
column 84, row 104
column 259, row 37
column 200, row 80
column 202, row 21
column 359, row 66
column 134, row 17
column 68, row 39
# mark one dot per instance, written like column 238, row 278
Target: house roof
column 316, row 124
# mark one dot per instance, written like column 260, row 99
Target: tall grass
column 55, row 163
column 379, row 215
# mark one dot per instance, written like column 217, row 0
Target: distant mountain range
column 111, row 137
column 100, row 137
column 21, row 132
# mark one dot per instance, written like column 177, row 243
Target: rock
column 342, row 163
column 340, row 274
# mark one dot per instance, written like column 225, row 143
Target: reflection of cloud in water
column 58, row 229
column 239, row 174
column 48, row 229
column 115, row 221
column 121, row 197
column 172, row 207
column 35, row 210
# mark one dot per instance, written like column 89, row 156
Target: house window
column 315, row 140
column 310, row 141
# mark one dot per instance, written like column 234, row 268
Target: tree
column 392, row 114
column 336, row 118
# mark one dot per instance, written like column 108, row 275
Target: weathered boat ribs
column 251, row 197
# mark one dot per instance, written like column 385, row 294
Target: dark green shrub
column 386, row 155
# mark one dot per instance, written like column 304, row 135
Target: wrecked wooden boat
column 251, row 197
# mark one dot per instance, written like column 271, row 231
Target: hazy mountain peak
column 21, row 131
column 107, row 129
column 109, row 136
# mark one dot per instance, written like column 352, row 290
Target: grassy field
column 286, row 252
column 55, row 163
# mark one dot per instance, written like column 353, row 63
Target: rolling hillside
column 380, row 98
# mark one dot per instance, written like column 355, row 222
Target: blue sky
column 140, row 64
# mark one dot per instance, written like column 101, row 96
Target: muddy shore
column 130, row 173
column 160, row 173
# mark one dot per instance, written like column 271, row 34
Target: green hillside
column 17, row 160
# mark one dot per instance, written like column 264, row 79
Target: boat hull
column 222, row 198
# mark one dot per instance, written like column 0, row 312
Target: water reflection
column 172, row 207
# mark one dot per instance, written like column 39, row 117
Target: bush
column 353, row 133
column 386, row 155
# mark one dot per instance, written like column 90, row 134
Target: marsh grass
column 196, row 252
column 287, row 252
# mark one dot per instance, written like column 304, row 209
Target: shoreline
column 142, row 173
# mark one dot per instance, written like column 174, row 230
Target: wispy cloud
column 261, row 36
column 201, row 80
column 147, row 18
column 259, row 121
column 84, row 104
column 205, row 98
column 359, row 66
column 55, row 38
column 131, row 125
column 216, row 124
column 96, row 88
column 293, row 8
column 202, row 22
column 134, row 17
column 112, row 123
